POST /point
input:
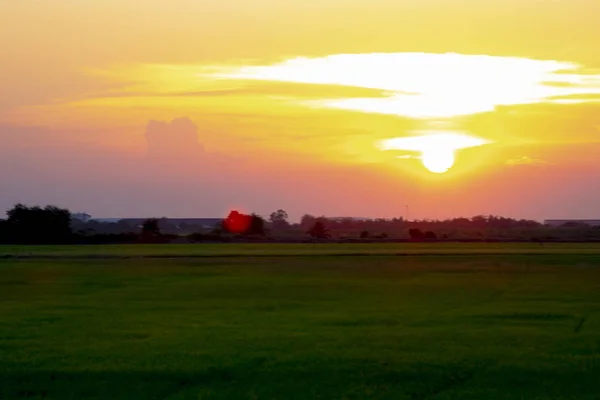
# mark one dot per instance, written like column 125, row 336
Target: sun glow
column 347, row 90
column 423, row 85
column 437, row 148
column 438, row 161
column 430, row 87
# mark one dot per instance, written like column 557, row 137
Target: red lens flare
column 237, row 222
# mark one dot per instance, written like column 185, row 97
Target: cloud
column 577, row 98
column 440, row 85
column 317, row 104
column 174, row 148
column 580, row 70
column 284, row 89
column 37, row 166
column 173, row 140
column 408, row 157
column 550, row 123
column 524, row 160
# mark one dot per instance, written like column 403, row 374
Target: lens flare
column 237, row 222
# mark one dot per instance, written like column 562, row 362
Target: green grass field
column 301, row 249
column 497, row 322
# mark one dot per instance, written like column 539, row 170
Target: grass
column 471, row 326
column 299, row 249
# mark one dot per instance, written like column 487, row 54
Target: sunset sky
column 188, row 108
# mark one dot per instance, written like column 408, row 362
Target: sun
column 437, row 148
column 438, row 161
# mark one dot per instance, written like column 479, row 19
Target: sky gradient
column 189, row 108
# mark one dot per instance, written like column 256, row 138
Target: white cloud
column 408, row 157
column 424, row 85
column 524, row 160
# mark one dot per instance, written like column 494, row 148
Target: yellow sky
column 288, row 82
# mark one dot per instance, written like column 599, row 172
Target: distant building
column 341, row 219
column 561, row 222
column 177, row 223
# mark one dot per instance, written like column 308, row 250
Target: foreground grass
column 463, row 327
column 298, row 249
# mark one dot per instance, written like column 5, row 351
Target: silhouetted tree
column 430, row 235
column 37, row 225
column 257, row 226
column 278, row 220
column 307, row 221
column 416, row 234
column 319, row 231
column 364, row 235
column 151, row 231
column 150, row 226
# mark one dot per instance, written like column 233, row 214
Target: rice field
column 325, row 321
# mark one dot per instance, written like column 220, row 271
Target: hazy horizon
column 329, row 107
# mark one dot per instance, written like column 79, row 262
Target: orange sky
column 287, row 101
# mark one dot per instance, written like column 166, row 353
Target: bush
column 430, row 235
column 416, row 234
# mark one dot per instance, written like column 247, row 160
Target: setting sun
column 438, row 161
column 300, row 199
column 416, row 99
column 437, row 148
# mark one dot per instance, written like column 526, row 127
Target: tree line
column 55, row 225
